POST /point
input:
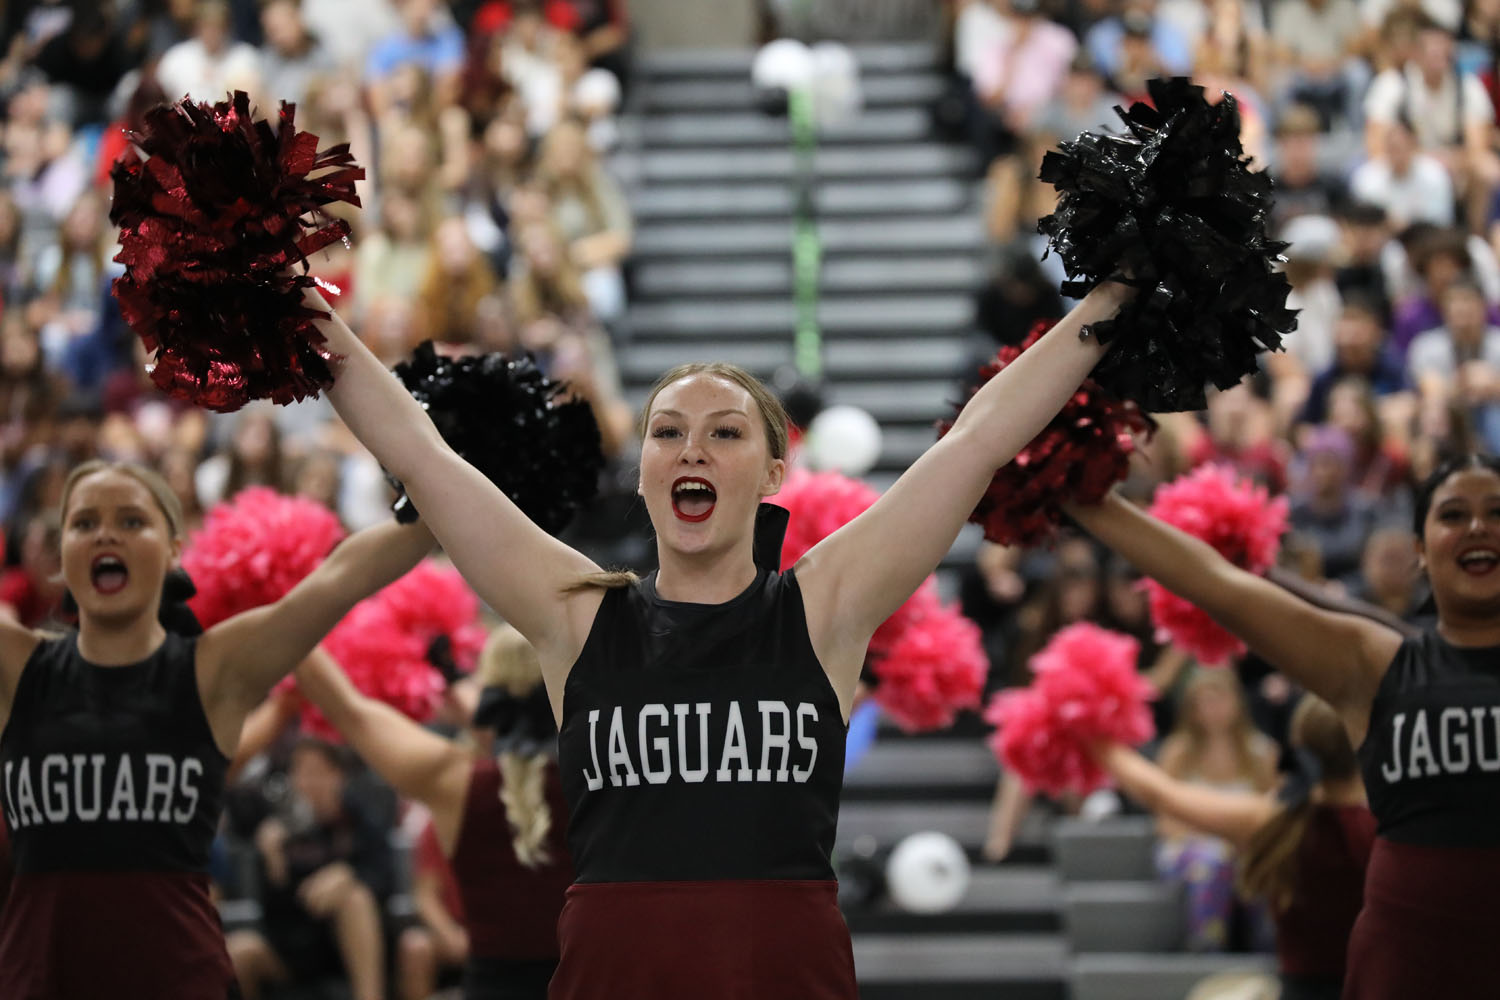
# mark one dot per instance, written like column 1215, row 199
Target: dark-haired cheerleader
column 1424, row 711
column 116, row 740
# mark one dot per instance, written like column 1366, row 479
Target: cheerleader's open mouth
column 108, row 573
column 1479, row 561
column 693, row 499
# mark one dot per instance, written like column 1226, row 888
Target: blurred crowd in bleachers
column 491, row 220
column 1377, row 121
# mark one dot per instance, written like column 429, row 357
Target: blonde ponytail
column 523, row 792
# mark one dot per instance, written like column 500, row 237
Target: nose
column 693, row 452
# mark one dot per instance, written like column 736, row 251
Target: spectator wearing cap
column 1461, row 359
column 292, row 57
column 1437, row 258
column 1450, row 113
column 1302, row 188
column 1327, row 509
column 1173, row 50
column 1313, row 42
column 211, row 63
column 1408, row 184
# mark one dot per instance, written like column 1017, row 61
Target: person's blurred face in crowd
column 177, row 467
column 281, row 21
column 1441, row 270
column 409, row 159
column 1128, row 602
column 1389, row 563
column 526, row 26
column 1357, row 336
column 542, row 250
column 401, row 217
column 455, row 250
column 388, row 327
column 527, row 204
column 569, row 55
column 417, row 16
column 1464, row 312
column 506, row 141
column 318, row 780
column 1433, row 53
column 318, row 479
column 20, row 348
column 213, row 25
column 254, row 437
column 1297, row 142
column 1083, row 86
column 1214, row 705
column 1363, row 240
column 1328, row 474
column 1400, row 147
column 83, row 227
column 997, row 568
column 41, row 551
column 1231, row 416
column 1350, row 410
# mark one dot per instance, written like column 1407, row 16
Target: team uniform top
column 111, row 784
column 509, row 910
column 702, row 753
column 1431, row 764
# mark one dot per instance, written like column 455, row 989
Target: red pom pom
column 1086, row 691
column 382, row 644
column 253, row 549
column 210, row 226
column 928, row 660
column 1076, row 458
column 934, row 668
column 1238, row 519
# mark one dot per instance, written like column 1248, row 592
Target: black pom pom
column 504, row 417
column 1174, row 206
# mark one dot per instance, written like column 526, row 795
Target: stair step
column 1122, row 847
column 698, row 63
column 755, row 128
column 703, row 201
column 884, row 90
column 917, row 159
column 956, row 273
column 1124, row 916
column 993, row 959
column 1154, row 977
column 843, row 358
column 908, row 764
column 908, row 238
column 908, row 314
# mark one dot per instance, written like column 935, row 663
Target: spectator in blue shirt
column 427, row 37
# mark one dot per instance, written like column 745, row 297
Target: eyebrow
column 716, row 413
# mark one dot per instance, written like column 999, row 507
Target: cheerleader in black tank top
column 115, row 743
column 497, row 807
column 695, row 868
column 1424, row 710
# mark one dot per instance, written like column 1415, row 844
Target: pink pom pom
column 382, row 644
column 934, row 669
column 1241, row 522
column 928, row 659
column 1086, row 691
column 254, row 549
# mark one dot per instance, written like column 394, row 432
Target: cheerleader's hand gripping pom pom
column 253, row 549
column 1173, row 204
column 1086, row 691
column 511, row 422
column 925, row 662
column 1076, row 458
column 1242, row 522
column 212, row 221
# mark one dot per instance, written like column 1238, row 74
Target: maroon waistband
column 1441, row 881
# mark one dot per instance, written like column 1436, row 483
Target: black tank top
column 1431, row 759
column 110, row 768
column 702, row 741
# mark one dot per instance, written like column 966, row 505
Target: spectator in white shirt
column 210, row 64
column 1410, row 185
column 1451, row 114
column 1461, row 359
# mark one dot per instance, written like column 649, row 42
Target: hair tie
column 523, row 724
column 440, row 655
column 1304, row 775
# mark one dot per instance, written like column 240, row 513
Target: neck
column 118, row 644
column 705, row 577
column 1463, row 630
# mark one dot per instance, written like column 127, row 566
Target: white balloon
column 843, row 438
column 785, row 63
column 836, row 91
column 927, row 873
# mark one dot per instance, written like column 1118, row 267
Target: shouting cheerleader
column 117, row 737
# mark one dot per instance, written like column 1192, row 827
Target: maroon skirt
column 731, row 940
column 115, row 936
column 1430, row 927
